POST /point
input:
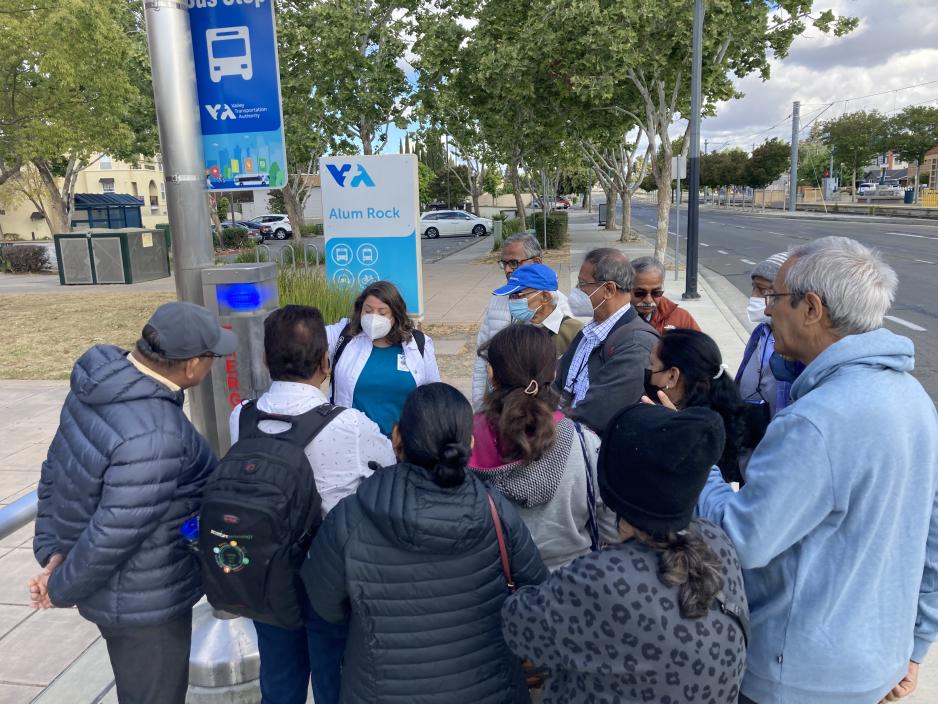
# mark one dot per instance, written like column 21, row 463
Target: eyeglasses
column 212, row 355
column 771, row 296
column 642, row 293
column 581, row 284
column 513, row 263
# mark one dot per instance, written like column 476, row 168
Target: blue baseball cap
column 537, row 276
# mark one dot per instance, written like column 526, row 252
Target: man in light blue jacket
column 836, row 527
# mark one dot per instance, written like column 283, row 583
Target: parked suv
column 279, row 225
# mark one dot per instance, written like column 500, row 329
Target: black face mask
column 651, row 391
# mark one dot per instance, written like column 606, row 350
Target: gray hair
column 647, row 265
column 611, row 265
column 528, row 243
column 855, row 284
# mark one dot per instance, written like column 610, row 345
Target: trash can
column 909, row 196
column 167, row 233
column 105, row 256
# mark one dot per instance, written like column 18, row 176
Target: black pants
column 150, row 663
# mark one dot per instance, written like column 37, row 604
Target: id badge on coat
column 402, row 363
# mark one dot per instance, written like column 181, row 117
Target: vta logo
column 360, row 179
column 221, row 112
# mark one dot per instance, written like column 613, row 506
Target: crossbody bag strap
column 502, row 548
column 735, row 612
column 340, row 345
column 591, row 523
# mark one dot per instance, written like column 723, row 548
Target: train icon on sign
column 229, row 53
column 367, row 254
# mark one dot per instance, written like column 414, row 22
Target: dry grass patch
column 43, row 334
column 551, row 256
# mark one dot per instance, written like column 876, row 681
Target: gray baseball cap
column 187, row 330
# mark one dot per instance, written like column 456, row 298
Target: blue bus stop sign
column 234, row 43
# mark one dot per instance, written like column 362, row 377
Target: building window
column 162, row 191
column 107, row 185
column 134, row 189
column 105, row 162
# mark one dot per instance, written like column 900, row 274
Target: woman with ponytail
column 687, row 371
column 413, row 562
column 541, row 461
column 660, row 615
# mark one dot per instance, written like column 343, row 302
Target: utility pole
column 449, row 199
column 793, row 178
column 693, row 207
column 177, row 114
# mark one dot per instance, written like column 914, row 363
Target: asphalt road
column 432, row 250
column 732, row 242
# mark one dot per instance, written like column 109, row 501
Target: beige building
column 143, row 180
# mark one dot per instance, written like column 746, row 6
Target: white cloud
column 893, row 47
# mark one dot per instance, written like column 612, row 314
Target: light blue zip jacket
column 837, row 529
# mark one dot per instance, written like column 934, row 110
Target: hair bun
column 454, row 455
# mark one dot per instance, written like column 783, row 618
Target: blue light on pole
column 240, row 298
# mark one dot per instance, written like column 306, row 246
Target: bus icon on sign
column 229, row 53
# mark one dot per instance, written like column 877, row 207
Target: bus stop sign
column 235, row 49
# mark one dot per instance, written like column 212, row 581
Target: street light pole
column 793, row 179
column 177, row 113
column 693, row 175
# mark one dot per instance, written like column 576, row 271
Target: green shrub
column 250, row 255
column 309, row 287
column 236, row 238
column 557, row 224
column 25, row 259
column 12, row 237
column 311, row 230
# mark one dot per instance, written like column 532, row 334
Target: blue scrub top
column 382, row 386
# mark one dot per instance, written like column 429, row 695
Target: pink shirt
column 485, row 454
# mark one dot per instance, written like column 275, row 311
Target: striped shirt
column 594, row 334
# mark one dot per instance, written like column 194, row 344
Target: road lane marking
column 739, row 227
column 907, row 234
column 704, row 244
column 906, row 323
column 924, row 261
column 647, row 225
column 746, row 261
column 780, row 234
column 722, row 252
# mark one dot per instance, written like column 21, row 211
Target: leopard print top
column 610, row 631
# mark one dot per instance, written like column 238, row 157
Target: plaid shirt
column 594, row 334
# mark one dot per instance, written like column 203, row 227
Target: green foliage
column 768, row 161
column 913, row 132
column 221, row 207
column 236, row 238
column 24, row 259
column 492, row 182
column 425, row 176
column 275, row 202
column 557, row 225
column 313, row 230
column 813, row 161
column 856, row 138
column 309, row 287
column 251, row 254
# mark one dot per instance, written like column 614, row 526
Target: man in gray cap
column 125, row 470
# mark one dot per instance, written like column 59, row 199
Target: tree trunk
column 516, row 187
column 367, row 133
column 610, row 209
column 294, row 210
column 213, row 215
column 56, row 214
column 626, row 235
column 475, row 201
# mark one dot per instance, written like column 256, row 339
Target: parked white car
column 279, row 225
column 453, row 222
column 866, row 189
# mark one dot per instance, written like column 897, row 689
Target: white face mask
column 756, row 310
column 375, row 326
column 581, row 304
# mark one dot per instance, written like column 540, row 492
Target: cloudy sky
column 895, row 45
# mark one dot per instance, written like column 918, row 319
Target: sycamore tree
column 768, row 161
column 913, row 132
column 855, row 139
column 634, row 56
column 620, row 170
column 71, row 87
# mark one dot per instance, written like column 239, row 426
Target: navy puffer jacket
column 125, row 470
column 417, row 568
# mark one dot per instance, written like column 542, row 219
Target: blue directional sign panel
column 371, row 218
column 234, row 43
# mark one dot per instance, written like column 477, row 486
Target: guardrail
column 16, row 515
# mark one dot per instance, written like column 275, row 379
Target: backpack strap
column 735, row 612
column 340, row 345
column 591, row 523
column 421, row 341
column 502, row 548
column 307, row 426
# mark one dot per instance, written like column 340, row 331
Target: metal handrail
column 16, row 515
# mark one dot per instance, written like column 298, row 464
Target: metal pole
column 793, row 180
column 177, row 113
column 677, row 220
column 693, row 207
column 544, row 204
column 449, row 199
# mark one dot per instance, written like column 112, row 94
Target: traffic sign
column 235, row 49
column 370, row 219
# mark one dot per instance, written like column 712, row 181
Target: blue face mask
column 518, row 307
column 784, row 369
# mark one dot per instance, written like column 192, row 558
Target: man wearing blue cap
column 125, row 470
column 532, row 298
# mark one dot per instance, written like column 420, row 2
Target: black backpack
column 345, row 338
column 260, row 512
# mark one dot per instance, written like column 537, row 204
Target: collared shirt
column 146, row 371
column 594, row 334
column 553, row 321
column 339, row 455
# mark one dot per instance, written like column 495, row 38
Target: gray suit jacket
column 616, row 371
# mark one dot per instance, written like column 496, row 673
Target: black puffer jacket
column 125, row 470
column 418, row 567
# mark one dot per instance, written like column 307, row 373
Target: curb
column 832, row 217
column 450, row 253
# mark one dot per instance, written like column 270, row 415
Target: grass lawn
column 43, row 334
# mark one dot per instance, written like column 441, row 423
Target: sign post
column 371, row 221
column 238, row 79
